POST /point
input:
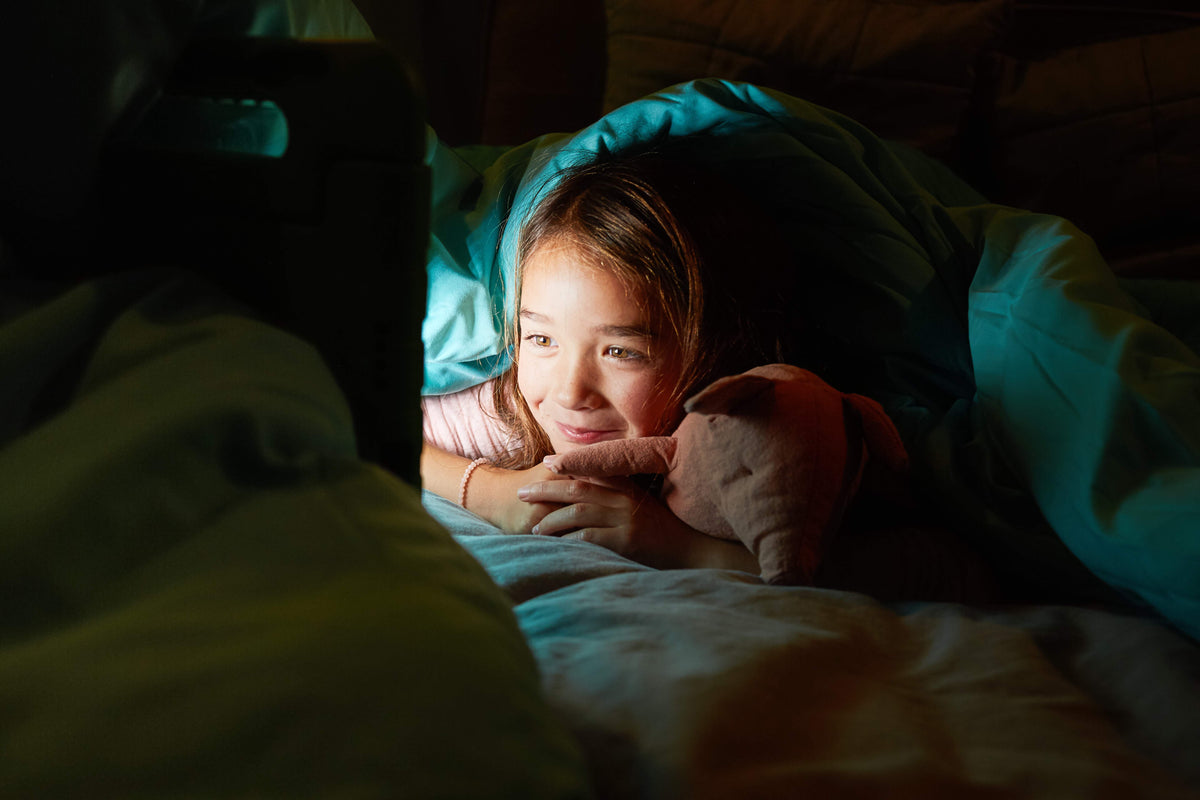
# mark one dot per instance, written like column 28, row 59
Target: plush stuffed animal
column 771, row 457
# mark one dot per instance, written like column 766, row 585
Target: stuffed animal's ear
column 882, row 439
column 723, row 396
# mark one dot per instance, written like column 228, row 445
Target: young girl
column 631, row 295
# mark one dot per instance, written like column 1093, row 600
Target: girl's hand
column 630, row 521
column 492, row 494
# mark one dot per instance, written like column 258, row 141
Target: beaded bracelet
column 462, row 487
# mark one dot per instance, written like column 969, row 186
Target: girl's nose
column 575, row 385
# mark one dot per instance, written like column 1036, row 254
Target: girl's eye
column 538, row 340
column 618, row 352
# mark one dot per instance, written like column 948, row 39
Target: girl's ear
column 725, row 395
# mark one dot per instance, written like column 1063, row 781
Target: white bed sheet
column 708, row 683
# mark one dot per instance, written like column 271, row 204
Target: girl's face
column 592, row 366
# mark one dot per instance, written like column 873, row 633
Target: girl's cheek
column 528, row 383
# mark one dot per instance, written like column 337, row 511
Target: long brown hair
column 673, row 234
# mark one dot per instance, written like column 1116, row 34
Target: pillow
column 1106, row 134
column 904, row 69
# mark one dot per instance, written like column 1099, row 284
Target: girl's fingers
column 562, row 491
column 582, row 509
column 572, row 518
column 622, row 485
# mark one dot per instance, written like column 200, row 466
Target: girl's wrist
column 482, row 491
column 465, row 482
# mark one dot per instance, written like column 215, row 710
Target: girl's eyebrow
column 624, row 331
column 616, row 331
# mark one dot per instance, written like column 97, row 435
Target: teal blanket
column 1050, row 416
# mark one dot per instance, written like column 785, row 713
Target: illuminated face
column 592, row 366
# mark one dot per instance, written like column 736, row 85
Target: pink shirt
column 466, row 423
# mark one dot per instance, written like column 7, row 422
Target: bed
column 1024, row 379
column 216, row 584
column 707, row 683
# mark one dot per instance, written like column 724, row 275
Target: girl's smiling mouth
column 585, row 435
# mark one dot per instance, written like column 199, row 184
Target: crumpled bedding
column 207, row 594
column 1050, row 418
column 709, row 683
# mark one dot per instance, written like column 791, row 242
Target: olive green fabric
column 205, row 592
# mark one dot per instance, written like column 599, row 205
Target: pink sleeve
column 465, row 423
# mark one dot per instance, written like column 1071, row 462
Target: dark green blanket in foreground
column 205, row 594
column 1048, row 413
